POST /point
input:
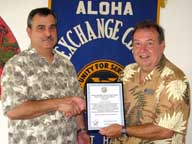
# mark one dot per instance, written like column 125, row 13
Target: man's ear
column 28, row 31
column 162, row 46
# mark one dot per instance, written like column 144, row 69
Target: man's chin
column 48, row 46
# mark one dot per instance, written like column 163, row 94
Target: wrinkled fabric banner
column 96, row 37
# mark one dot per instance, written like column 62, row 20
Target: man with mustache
column 156, row 93
column 41, row 95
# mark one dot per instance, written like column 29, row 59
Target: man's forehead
column 149, row 33
column 147, row 29
column 43, row 20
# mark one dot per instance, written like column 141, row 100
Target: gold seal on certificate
column 104, row 105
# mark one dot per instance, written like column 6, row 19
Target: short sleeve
column 174, row 105
column 14, row 87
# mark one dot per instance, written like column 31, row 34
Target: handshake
column 71, row 106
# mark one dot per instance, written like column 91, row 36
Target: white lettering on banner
column 70, row 40
column 85, row 33
column 80, row 33
column 92, row 137
column 123, row 40
column 104, row 8
column 91, row 34
column 105, row 140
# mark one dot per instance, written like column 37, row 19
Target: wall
column 175, row 18
column 177, row 22
column 15, row 13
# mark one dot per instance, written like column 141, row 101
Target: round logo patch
column 100, row 71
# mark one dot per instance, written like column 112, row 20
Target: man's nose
column 143, row 47
column 48, row 32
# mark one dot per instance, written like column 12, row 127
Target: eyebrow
column 145, row 40
column 40, row 25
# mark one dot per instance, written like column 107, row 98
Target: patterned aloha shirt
column 28, row 76
column 163, row 100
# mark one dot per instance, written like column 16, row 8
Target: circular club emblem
column 99, row 71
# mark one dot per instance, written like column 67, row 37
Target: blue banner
column 96, row 36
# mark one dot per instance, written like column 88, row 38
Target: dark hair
column 40, row 11
column 146, row 24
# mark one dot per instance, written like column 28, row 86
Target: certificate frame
column 105, row 104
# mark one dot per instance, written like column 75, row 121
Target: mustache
column 48, row 38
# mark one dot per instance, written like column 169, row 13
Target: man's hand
column 80, row 102
column 83, row 138
column 112, row 131
column 69, row 109
column 72, row 106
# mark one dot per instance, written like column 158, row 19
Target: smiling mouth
column 48, row 41
column 144, row 57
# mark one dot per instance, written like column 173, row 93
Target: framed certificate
column 105, row 105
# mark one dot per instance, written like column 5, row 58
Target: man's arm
column 146, row 131
column 149, row 131
column 31, row 109
column 82, row 135
column 80, row 121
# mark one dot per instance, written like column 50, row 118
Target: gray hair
column 40, row 11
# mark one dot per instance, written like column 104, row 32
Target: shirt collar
column 34, row 51
column 158, row 68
